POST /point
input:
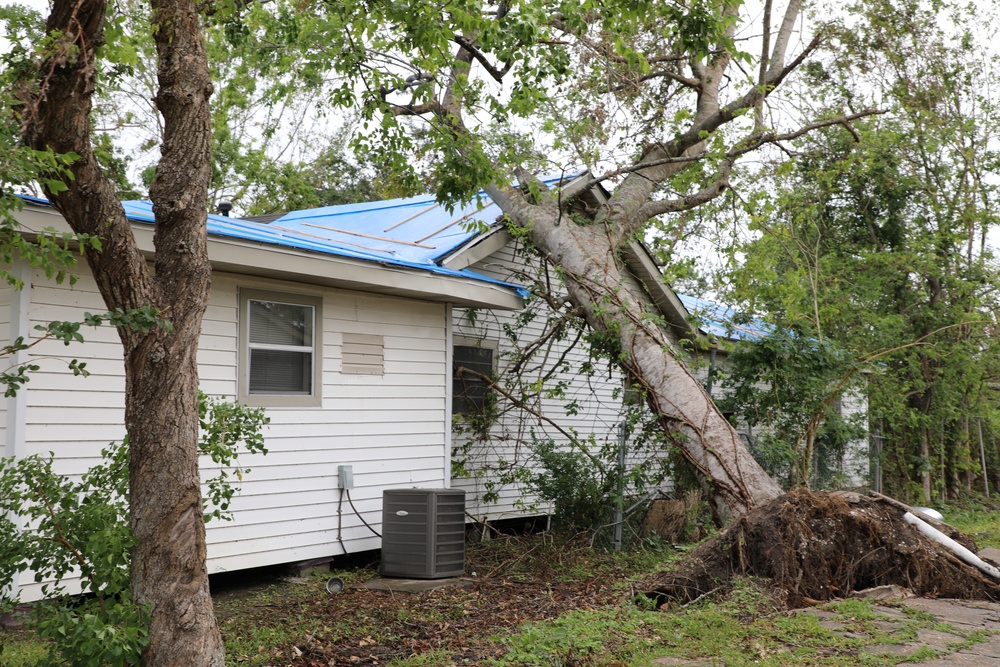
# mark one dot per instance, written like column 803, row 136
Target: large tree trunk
column 161, row 411
column 586, row 249
column 589, row 261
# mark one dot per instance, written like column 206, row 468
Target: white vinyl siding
column 597, row 396
column 6, row 294
column 73, row 417
column 391, row 428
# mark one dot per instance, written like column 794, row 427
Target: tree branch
column 688, row 202
column 755, row 141
column 762, row 78
column 61, row 123
column 480, row 57
column 781, row 42
column 461, row 370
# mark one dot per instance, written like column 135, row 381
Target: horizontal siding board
column 219, row 387
column 315, row 459
column 77, row 415
column 59, row 365
column 389, row 429
column 353, row 404
column 68, row 433
column 351, row 388
column 257, row 553
column 380, row 473
column 49, row 398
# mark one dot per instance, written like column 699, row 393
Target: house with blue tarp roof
column 720, row 323
column 365, row 331
column 359, row 328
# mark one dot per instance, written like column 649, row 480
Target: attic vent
column 363, row 354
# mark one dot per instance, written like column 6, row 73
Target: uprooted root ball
column 819, row 546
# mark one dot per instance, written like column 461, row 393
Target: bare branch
column 762, row 78
column 755, row 141
column 480, row 57
column 694, row 84
column 727, row 113
column 781, row 41
column 686, row 203
column 461, row 370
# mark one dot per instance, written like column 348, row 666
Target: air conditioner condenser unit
column 423, row 533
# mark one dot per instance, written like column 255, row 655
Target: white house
column 848, row 468
column 387, row 289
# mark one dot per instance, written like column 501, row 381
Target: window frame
column 481, row 343
column 315, row 396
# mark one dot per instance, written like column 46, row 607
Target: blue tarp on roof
column 319, row 237
column 416, row 229
column 724, row 322
column 410, row 233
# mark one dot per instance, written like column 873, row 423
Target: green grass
column 633, row 636
column 982, row 524
column 17, row 649
column 738, row 630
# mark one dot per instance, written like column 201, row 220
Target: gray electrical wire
column 348, row 491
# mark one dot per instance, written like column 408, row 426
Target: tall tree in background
column 877, row 237
column 161, row 412
column 276, row 146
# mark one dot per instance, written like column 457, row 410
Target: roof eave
column 286, row 263
column 644, row 269
column 476, row 249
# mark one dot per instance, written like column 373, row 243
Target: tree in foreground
column 168, row 571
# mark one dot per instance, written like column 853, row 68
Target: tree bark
column 169, row 573
column 588, row 260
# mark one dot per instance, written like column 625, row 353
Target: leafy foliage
column 59, row 528
column 62, row 528
column 874, row 240
column 223, row 425
column 788, row 389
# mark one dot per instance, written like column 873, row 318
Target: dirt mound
column 819, row 546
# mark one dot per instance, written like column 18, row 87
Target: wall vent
column 423, row 533
column 364, row 354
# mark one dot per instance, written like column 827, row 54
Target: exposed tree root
column 819, row 546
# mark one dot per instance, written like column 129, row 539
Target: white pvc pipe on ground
column 956, row 548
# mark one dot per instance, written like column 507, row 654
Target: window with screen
column 469, row 389
column 280, row 349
